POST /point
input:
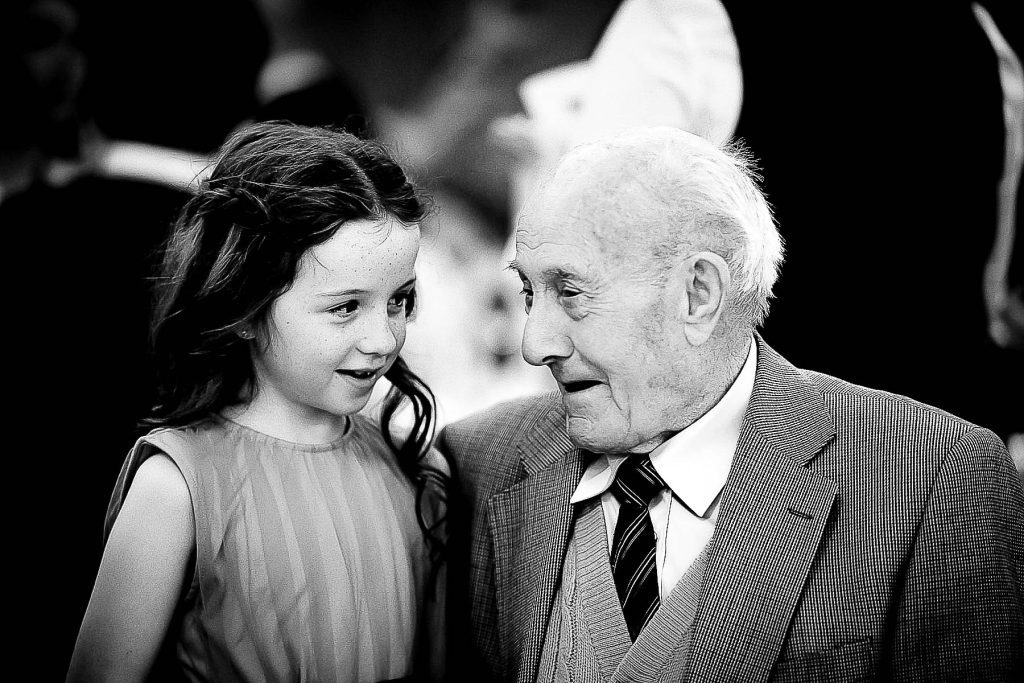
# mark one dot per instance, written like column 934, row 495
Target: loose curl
column 277, row 190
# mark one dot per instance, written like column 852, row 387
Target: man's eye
column 528, row 295
column 568, row 296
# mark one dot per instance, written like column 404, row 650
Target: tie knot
column 636, row 482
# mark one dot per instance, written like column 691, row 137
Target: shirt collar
column 695, row 462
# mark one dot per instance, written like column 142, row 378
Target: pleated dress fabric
column 310, row 564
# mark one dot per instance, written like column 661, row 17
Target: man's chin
column 586, row 433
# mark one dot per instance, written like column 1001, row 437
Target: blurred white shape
column 290, row 70
column 662, row 63
column 1015, row 444
column 151, row 163
column 658, row 63
column 997, row 296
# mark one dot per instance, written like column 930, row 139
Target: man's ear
column 705, row 279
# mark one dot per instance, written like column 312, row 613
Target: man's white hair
column 707, row 197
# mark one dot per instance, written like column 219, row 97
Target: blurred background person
column 98, row 150
column 296, row 81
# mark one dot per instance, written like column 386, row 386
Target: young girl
column 267, row 530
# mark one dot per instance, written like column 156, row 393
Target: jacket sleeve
column 960, row 613
column 472, row 641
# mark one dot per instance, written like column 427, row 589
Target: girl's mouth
column 360, row 374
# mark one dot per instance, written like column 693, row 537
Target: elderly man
column 690, row 506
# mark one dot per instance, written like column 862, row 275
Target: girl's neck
column 306, row 428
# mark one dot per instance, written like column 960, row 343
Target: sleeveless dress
column 309, row 562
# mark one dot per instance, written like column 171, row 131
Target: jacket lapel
column 772, row 517
column 530, row 524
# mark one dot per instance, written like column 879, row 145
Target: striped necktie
column 633, row 544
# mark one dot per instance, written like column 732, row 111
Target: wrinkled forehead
column 598, row 198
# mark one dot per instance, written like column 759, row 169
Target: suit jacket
column 860, row 534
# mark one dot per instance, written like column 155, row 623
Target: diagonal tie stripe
column 627, row 538
column 637, row 581
column 639, row 482
column 633, row 543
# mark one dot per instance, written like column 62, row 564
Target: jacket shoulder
column 484, row 446
column 853, row 402
column 883, row 426
column 503, row 422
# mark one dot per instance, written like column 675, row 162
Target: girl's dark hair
column 277, row 190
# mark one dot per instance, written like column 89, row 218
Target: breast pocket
column 848, row 662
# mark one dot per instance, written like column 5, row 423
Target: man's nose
column 544, row 340
column 379, row 336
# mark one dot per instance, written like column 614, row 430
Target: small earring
column 246, row 334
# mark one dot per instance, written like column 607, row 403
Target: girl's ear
column 246, row 334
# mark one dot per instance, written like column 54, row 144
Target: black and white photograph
column 514, row 340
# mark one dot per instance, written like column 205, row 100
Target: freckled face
column 341, row 324
column 609, row 335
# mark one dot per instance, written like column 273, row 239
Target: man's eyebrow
column 552, row 273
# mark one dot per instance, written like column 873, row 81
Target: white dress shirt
column 694, row 464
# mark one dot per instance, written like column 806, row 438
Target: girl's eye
column 528, row 294
column 345, row 309
column 402, row 303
